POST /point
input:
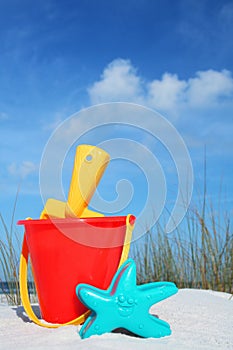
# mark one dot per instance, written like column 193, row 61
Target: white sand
column 199, row 320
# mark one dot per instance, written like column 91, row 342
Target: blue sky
column 58, row 57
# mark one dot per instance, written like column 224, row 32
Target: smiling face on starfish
column 126, row 304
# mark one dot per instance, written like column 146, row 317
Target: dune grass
column 198, row 254
column 9, row 260
column 10, row 248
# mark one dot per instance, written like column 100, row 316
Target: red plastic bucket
column 66, row 252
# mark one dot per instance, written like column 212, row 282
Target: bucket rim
column 91, row 220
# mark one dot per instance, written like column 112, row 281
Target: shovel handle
column 89, row 165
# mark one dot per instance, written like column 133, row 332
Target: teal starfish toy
column 125, row 305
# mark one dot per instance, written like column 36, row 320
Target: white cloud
column 209, row 87
column 120, row 82
column 166, row 93
column 22, row 170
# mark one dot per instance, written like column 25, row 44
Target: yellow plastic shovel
column 89, row 165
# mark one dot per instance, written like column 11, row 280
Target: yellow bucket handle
column 23, row 273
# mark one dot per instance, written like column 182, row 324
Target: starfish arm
column 95, row 325
column 150, row 326
column 154, row 292
column 125, row 278
column 93, row 297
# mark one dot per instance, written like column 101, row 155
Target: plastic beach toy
column 125, row 305
column 71, row 245
column 89, row 165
